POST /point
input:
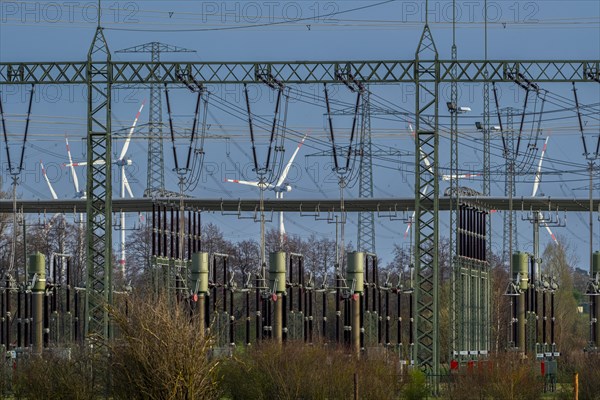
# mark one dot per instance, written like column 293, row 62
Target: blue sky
column 54, row 31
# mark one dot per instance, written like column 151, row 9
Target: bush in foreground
column 299, row 371
column 161, row 354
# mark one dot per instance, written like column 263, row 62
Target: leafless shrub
column 161, row 354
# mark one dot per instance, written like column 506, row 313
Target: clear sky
column 309, row 30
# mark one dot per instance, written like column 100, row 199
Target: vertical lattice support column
column 456, row 312
column 509, row 240
column 366, row 220
column 426, row 351
column 486, row 192
column 156, row 164
column 99, row 190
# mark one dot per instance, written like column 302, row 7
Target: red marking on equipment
column 195, row 297
column 470, row 365
column 543, row 368
column 122, row 262
column 274, row 297
column 454, row 365
column 355, row 297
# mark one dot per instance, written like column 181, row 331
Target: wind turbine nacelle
column 126, row 162
column 283, row 188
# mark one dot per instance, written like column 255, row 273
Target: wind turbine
column 279, row 188
column 536, row 185
column 444, row 178
column 125, row 188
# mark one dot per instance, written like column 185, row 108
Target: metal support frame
column 366, row 220
column 99, row 190
column 427, row 74
column 301, row 72
column 455, row 310
column 426, row 71
column 509, row 234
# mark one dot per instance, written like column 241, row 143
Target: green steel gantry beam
column 383, row 208
column 302, row 72
column 99, row 73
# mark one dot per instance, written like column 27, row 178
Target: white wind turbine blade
column 536, row 185
column 538, row 174
column 128, row 140
column 550, row 232
column 255, row 184
column 52, row 192
column 409, row 225
column 286, row 170
column 73, row 173
column 126, row 183
column 84, row 163
column 465, row 176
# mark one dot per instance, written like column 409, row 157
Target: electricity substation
column 45, row 305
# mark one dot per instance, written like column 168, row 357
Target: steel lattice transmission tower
column 155, row 186
column 366, row 220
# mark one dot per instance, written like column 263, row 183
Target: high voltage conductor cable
column 522, row 124
column 4, row 131
column 331, row 135
column 171, row 127
column 199, row 161
column 499, row 117
column 274, row 126
column 581, row 124
column 227, row 28
column 356, row 109
column 193, row 135
column 26, row 129
column 251, row 126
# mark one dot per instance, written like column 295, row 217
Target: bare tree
column 558, row 261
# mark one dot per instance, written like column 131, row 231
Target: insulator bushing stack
column 355, row 277
column 199, row 284
column 37, row 277
column 277, row 283
column 520, row 273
